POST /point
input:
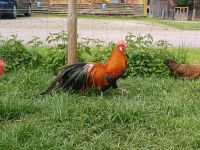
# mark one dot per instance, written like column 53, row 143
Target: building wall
column 194, row 9
column 197, row 12
column 197, row 2
column 121, row 9
column 161, row 9
column 164, row 9
column 134, row 1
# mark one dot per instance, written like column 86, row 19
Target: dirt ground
column 108, row 30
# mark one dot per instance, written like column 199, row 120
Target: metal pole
column 72, row 31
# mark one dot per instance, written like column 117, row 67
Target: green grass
column 193, row 54
column 182, row 25
column 156, row 114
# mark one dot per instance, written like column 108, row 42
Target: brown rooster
column 81, row 76
column 2, row 67
column 185, row 71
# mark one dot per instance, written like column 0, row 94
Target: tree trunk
column 72, row 31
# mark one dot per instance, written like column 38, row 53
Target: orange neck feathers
column 117, row 61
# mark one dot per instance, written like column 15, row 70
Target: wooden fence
column 197, row 13
column 181, row 13
column 78, row 1
column 197, row 2
column 94, row 9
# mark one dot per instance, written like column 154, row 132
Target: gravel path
column 108, row 30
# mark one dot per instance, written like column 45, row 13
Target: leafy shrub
column 16, row 55
column 97, row 53
column 146, row 58
column 55, row 59
column 54, row 55
column 58, row 40
column 35, row 42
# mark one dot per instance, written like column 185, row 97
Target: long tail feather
column 72, row 77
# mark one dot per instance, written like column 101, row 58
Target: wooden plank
column 112, row 9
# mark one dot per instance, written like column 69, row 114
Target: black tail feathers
column 72, row 77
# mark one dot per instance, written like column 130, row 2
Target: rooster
column 185, row 71
column 101, row 76
column 2, row 67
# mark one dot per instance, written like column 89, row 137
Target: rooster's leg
column 101, row 95
column 123, row 91
column 83, row 93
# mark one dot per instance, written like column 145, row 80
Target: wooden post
column 145, row 8
column 163, row 14
column 193, row 14
column 72, row 31
column 49, row 4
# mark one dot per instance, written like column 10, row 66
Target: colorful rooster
column 2, row 67
column 81, row 76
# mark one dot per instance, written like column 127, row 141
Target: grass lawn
column 182, row 25
column 156, row 114
column 193, row 54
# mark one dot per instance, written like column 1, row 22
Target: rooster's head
column 122, row 46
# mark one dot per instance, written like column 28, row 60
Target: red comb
column 122, row 43
column 2, row 67
column 2, row 64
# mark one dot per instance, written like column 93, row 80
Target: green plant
column 98, row 52
column 162, row 45
column 58, row 39
column 16, row 55
column 35, row 42
column 146, row 58
column 55, row 59
column 139, row 41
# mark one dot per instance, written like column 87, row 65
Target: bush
column 146, row 58
column 16, row 55
column 97, row 53
column 55, row 59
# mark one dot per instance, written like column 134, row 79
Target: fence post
column 163, row 14
column 72, row 32
column 145, row 8
column 193, row 14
